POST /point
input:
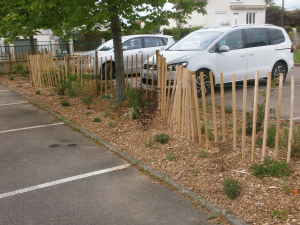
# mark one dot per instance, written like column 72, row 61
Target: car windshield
column 195, row 41
column 106, row 46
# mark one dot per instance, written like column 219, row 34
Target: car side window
column 276, row 36
column 133, row 43
column 151, row 42
column 165, row 41
column 233, row 40
column 256, row 37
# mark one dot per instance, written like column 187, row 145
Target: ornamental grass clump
column 64, row 103
column 231, row 187
column 272, row 168
column 162, row 138
column 97, row 119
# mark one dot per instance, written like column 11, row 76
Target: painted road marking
column 61, row 181
column 14, row 103
column 27, row 128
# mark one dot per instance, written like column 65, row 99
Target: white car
column 239, row 50
column 145, row 44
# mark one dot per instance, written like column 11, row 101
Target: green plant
column 104, row 114
column 106, row 96
column 260, row 141
column 60, row 87
column 171, row 156
column 194, row 171
column 131, row 97
column 162, row 138
column 113, row 104
column 271, row 168
column 88, row 100
column 112, row 124
column 23, row 73
column 284, row 140
column 281, row 214
column 18, row 68
column 210, row 132
column 148, row 143
column 132, row 113
column 64, row 103
column 20, row 85
column 97, row 119
column 228, row 110
column 37, row 92
column 150, row 160
column 216, row 215
column 271, row 136
column 285, row 186
column 231, row 187
column 202, row 154
column 11, row 77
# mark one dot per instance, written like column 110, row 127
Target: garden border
column 197, row 198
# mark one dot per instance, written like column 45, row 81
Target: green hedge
column 178, row 32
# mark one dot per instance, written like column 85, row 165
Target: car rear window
column 276, row 36
column 256, row 37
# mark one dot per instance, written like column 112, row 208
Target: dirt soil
column 257, row 198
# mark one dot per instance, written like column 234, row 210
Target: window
column 233, row 40
column 250, row 18
column 256, row 37
column 276, row 36
column 134, row 43
column 235, row 18
column 165, row 41
column 151, row 42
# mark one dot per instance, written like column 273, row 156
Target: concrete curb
column 297, row 64
column 197, row 198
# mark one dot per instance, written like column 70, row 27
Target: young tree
column 62, row 16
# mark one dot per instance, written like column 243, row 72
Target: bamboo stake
column 141, row 72
column 179, row 100
column 162, row 88
column 193, row 105
column 291, row 119
column 204, row 110
column 101, row 77
column 223, row 108
column 254, row 117
column 136, row 71
column 213, row 106
column 168, row 94
column 105, row 79
column 165, row 75
column 173, row 95
column 234, row 114
column 278, row 115
column 126, row 73
column 131, row 85
column 158, row 83
column 96, row 70
column 185, row 108
column 197, row 108
column 153, row 78
column 147, row 74
column 244, row 117
column 266, row 120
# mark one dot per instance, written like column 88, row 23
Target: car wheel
column 109, row 66
column 278, row 69
column 206, row 82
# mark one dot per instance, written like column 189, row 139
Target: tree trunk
column 32, row 46
column 118, row 52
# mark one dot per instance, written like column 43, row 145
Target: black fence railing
column 58, row 50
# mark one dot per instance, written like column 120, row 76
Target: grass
column 297, row 56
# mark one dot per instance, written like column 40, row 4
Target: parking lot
column 51, row 174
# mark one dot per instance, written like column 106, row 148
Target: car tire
column 109, row 66
column 206, row 82
column 278, row 68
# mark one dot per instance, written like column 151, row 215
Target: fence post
column 204, row 110
column 234, row 114
column 10, row 62
column 96, row 68
column 244, row 118
column 68, row 64
column 213, row 105
column 291, row 119
column 254, row 117
column 223, row 107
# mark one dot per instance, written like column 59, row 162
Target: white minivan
column 239, row 50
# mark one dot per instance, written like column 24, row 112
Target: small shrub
column 132, row 113
column 20, row 85
column 104, row 114
column 37, row 92
column 271, row 136
column 11, row 77
column 271, row 168
column 162, row 138
column 194, row 171
column 281, row 214
column 148, row 143
column 228, row 110
column 60, row 88
column 171, row 156
column 23, row 73
column 18, row 68
column 231, row 187
column 112, row 124
column 260, row 141
column 210, row 132
column 87, row 100
column 64, row 103
column 202, row 154
column 131, row 97
column 284, row 140
column 97, row 119
column 285, row 186
column 106, row 96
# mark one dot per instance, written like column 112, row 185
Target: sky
column 289, row 4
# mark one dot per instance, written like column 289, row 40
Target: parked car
column 145, row 45
column 239, row 50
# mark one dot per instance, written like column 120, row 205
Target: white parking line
column 27, row 128
column 14, row 103
column 40, row 186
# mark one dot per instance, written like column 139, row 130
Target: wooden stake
column 204, row 110
column 111, row 66
column 105, row 79
column 254, row 117
column 131, row 85
column 173, row 95
column 136, row 71
column 168, row 94
column 96, row 70
column 266, row 120
column 278, row 115
column 223, row 108
column 101, row 76
column 291, row 119
column 213, row 102
column 147, row 74
column 153, row 78
column 197, row 108
column 234, row 114
column 244, row 117
column 126, row 74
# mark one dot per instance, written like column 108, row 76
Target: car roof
column 237, row 26
column 147, row 35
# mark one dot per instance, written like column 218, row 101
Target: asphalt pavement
column 52, row 174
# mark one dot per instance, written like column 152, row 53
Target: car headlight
column 183, row 64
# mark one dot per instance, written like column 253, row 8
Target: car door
column 261, row 55
column 235, row 60
column 132, row 47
